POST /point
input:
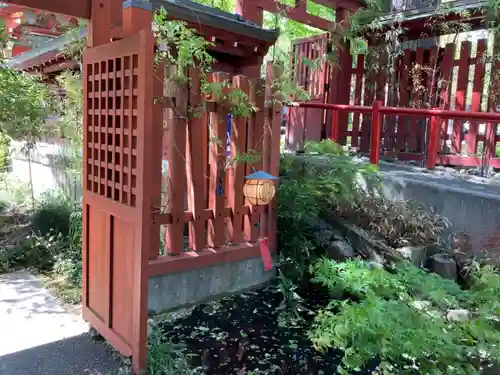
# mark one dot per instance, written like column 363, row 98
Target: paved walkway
column 38, row 337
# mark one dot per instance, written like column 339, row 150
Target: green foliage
column 25, row 104
column 4, row 151
column 399, row 223
column 52, row 215
column 397, row 320
column 36, row 252
column 166, row 357
column 309, row 188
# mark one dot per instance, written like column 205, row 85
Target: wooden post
column 376, row 132
column 217, row 161
column 335, row 126
column 433, row 144
column 177, row 125
column 194, row 158
column 274, row 155
column 236, row 172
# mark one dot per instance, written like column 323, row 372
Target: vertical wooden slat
column 448, row 61
column 255, row 142
column 357, row 100
column 194, row 160
column 376, row 132
column 404, row 101
column 344, row 90
column 274, row 159
column 490, row 135
column 217, row 161
column 368, row 101
column 461, row 95
column 433, row 145
column 177, row 168
column 477, row 92
column 236, row 173
column 415, row 132
column 157, row 151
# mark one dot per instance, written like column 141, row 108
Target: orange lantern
column 259, row 188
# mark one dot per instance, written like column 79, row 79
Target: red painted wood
column 447, row 69
column 477, row 92
column 335, row 126
column 255, row 141
column 236, row 172
column 357, row 99
column 368, row 101
column 194, row 161
column 433, row 144
column 404, row 100
column 74, row 8
column 415, row 138
column 217, row 162
column 274, row 158
column 176, row 125
column 210, row 257
column 376, row 132
column 461, row 95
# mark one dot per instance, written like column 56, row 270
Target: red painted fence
column 463, row 66
column 434, row 120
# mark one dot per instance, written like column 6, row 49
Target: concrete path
column 38, row 337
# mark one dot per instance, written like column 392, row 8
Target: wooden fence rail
column 433, row 153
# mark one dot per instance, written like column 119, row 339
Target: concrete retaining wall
column 471, row 204
column 472, row 207
column 176, row 290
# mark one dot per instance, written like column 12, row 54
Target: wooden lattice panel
column 112, row 128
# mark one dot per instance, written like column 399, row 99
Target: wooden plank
column 194, row 158
column 236, row 172
column 368, row 101
column 344, row 90
column 461, row 95
column 414, row 131
column 176, row 125
column 477, row 92
column 217, row 162
column 73, row 8
column 404, row 100
column 357, row 99
column 255, row 142
column 447, row 76
column 274, row 159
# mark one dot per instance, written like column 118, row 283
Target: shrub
column 52, row 215
column 399, row 223
column 37, row 252
column 397, row 322
column 308, row 190
column 69, row 262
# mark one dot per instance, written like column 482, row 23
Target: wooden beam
column 74, row 8
column 297, row 14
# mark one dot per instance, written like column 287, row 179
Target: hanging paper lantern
column 259, row 188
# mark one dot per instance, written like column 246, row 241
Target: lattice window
column 112, row 87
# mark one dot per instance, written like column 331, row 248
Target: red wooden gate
column 118, row 108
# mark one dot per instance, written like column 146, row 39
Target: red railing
column 435, row 126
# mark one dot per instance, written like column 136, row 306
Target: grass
column 68, row 293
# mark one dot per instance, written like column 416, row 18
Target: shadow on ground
column 78, row 355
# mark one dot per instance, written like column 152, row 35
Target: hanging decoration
column 259, row 188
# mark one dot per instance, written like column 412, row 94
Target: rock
column 151, row 326
column 458, row 315
column 340, row 250
column 416, row 255
column 374, row 265
column 490, row 370
column 422, row 305
column 444, row 266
